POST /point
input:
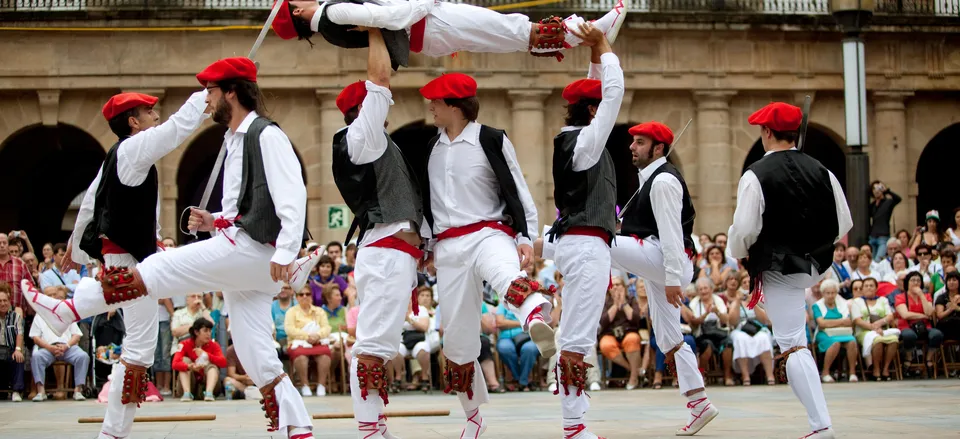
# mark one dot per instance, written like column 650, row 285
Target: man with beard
column 586, row 195
column 482, row 217
column 436, row 28
column 790, row 212
column 655, row 244
column 259, row 234
column 380, row 187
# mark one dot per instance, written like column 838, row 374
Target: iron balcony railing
column 783, row 7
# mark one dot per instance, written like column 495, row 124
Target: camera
column 16, row 234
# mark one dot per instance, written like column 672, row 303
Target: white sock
column 474, row 423
column 300, row 431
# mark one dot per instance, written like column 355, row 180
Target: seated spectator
column 488, row 326
column 716, row 268
column 874, row 319
column 11, row 345
column 307, row 338
column 324, row 276
column 834, row 329
column 899, row 264
column 199, row 360
column 731, row 284
column 184, row 318
column 237, row 383
column 751, row 340
column 517, row 352
column 335, row 307
column 948, row 308
column 352, row 315
column 929, row 235
column 620, row 340
column 864, row 270
column 349, row 259
column 279, row 308
column 33, row 266
column 915, row 309
column 49, row 347
column 419, row 340
column 709, row 321
column 925, row 265
column 54, row 276
column 838, row 271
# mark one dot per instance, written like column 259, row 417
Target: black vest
column 584, row 198
column 397, row 42
column 257, row 213
column 639, row 221
column 799, row 215
column 380, row 192
column 491, row 140
column 127, row 215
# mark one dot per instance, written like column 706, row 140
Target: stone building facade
column 715, row 72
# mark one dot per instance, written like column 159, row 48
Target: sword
column 676, row 140
column 803, row 123
column 205, row 198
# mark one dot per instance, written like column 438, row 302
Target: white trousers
column 784, row 301
column 463, row 263
column 385, row 279
column 645, row 259
column 449, row 27
column 139, row 344
column 584, row 262
column 242, row 272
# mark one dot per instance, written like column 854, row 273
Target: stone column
column 533, row 152
column 717, row 195
column 890, row 149
column 321, row 189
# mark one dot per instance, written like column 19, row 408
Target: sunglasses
column 923, row 254
column 303, row 294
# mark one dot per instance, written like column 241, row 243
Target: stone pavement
column 921, row 409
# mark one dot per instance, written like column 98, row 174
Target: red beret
column 228, row 68
column 283, row 23
column 778, row 116
column 125, row 101
column 582, row 89
column 654, row 130
column 450, row 86
column 351, row 96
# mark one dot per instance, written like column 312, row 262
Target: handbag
column 712, row 329
column 920, row 327
column 520, row 339
column 411, row 338
column 837, row 332
column 751, row 327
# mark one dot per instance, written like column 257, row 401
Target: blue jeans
column 161, row 356
column 687, row 338
column 879, row 246
column 520, row 366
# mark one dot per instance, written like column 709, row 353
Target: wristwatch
column 19, row 349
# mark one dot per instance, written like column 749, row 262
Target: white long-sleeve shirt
column 137, row 155
column 366, row 142
column 389, row 14
column 284, row 181
column 463, row 188
column 748, row 217
column 666, row 198
column 592, row 139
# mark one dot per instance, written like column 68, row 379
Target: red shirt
column 912, row 306
column 12, row 272
column 187, row 350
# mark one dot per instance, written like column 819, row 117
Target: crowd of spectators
column 885, row 307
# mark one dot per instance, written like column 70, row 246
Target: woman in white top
column 873, row 319
column 419, row 339
column 864, row 269
column 752, row 344
column 709, row 323
column 898, row 266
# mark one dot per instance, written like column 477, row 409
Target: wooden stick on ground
column 404, row 414
column 169, row 418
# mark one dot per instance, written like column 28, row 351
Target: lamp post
column 853, row 16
